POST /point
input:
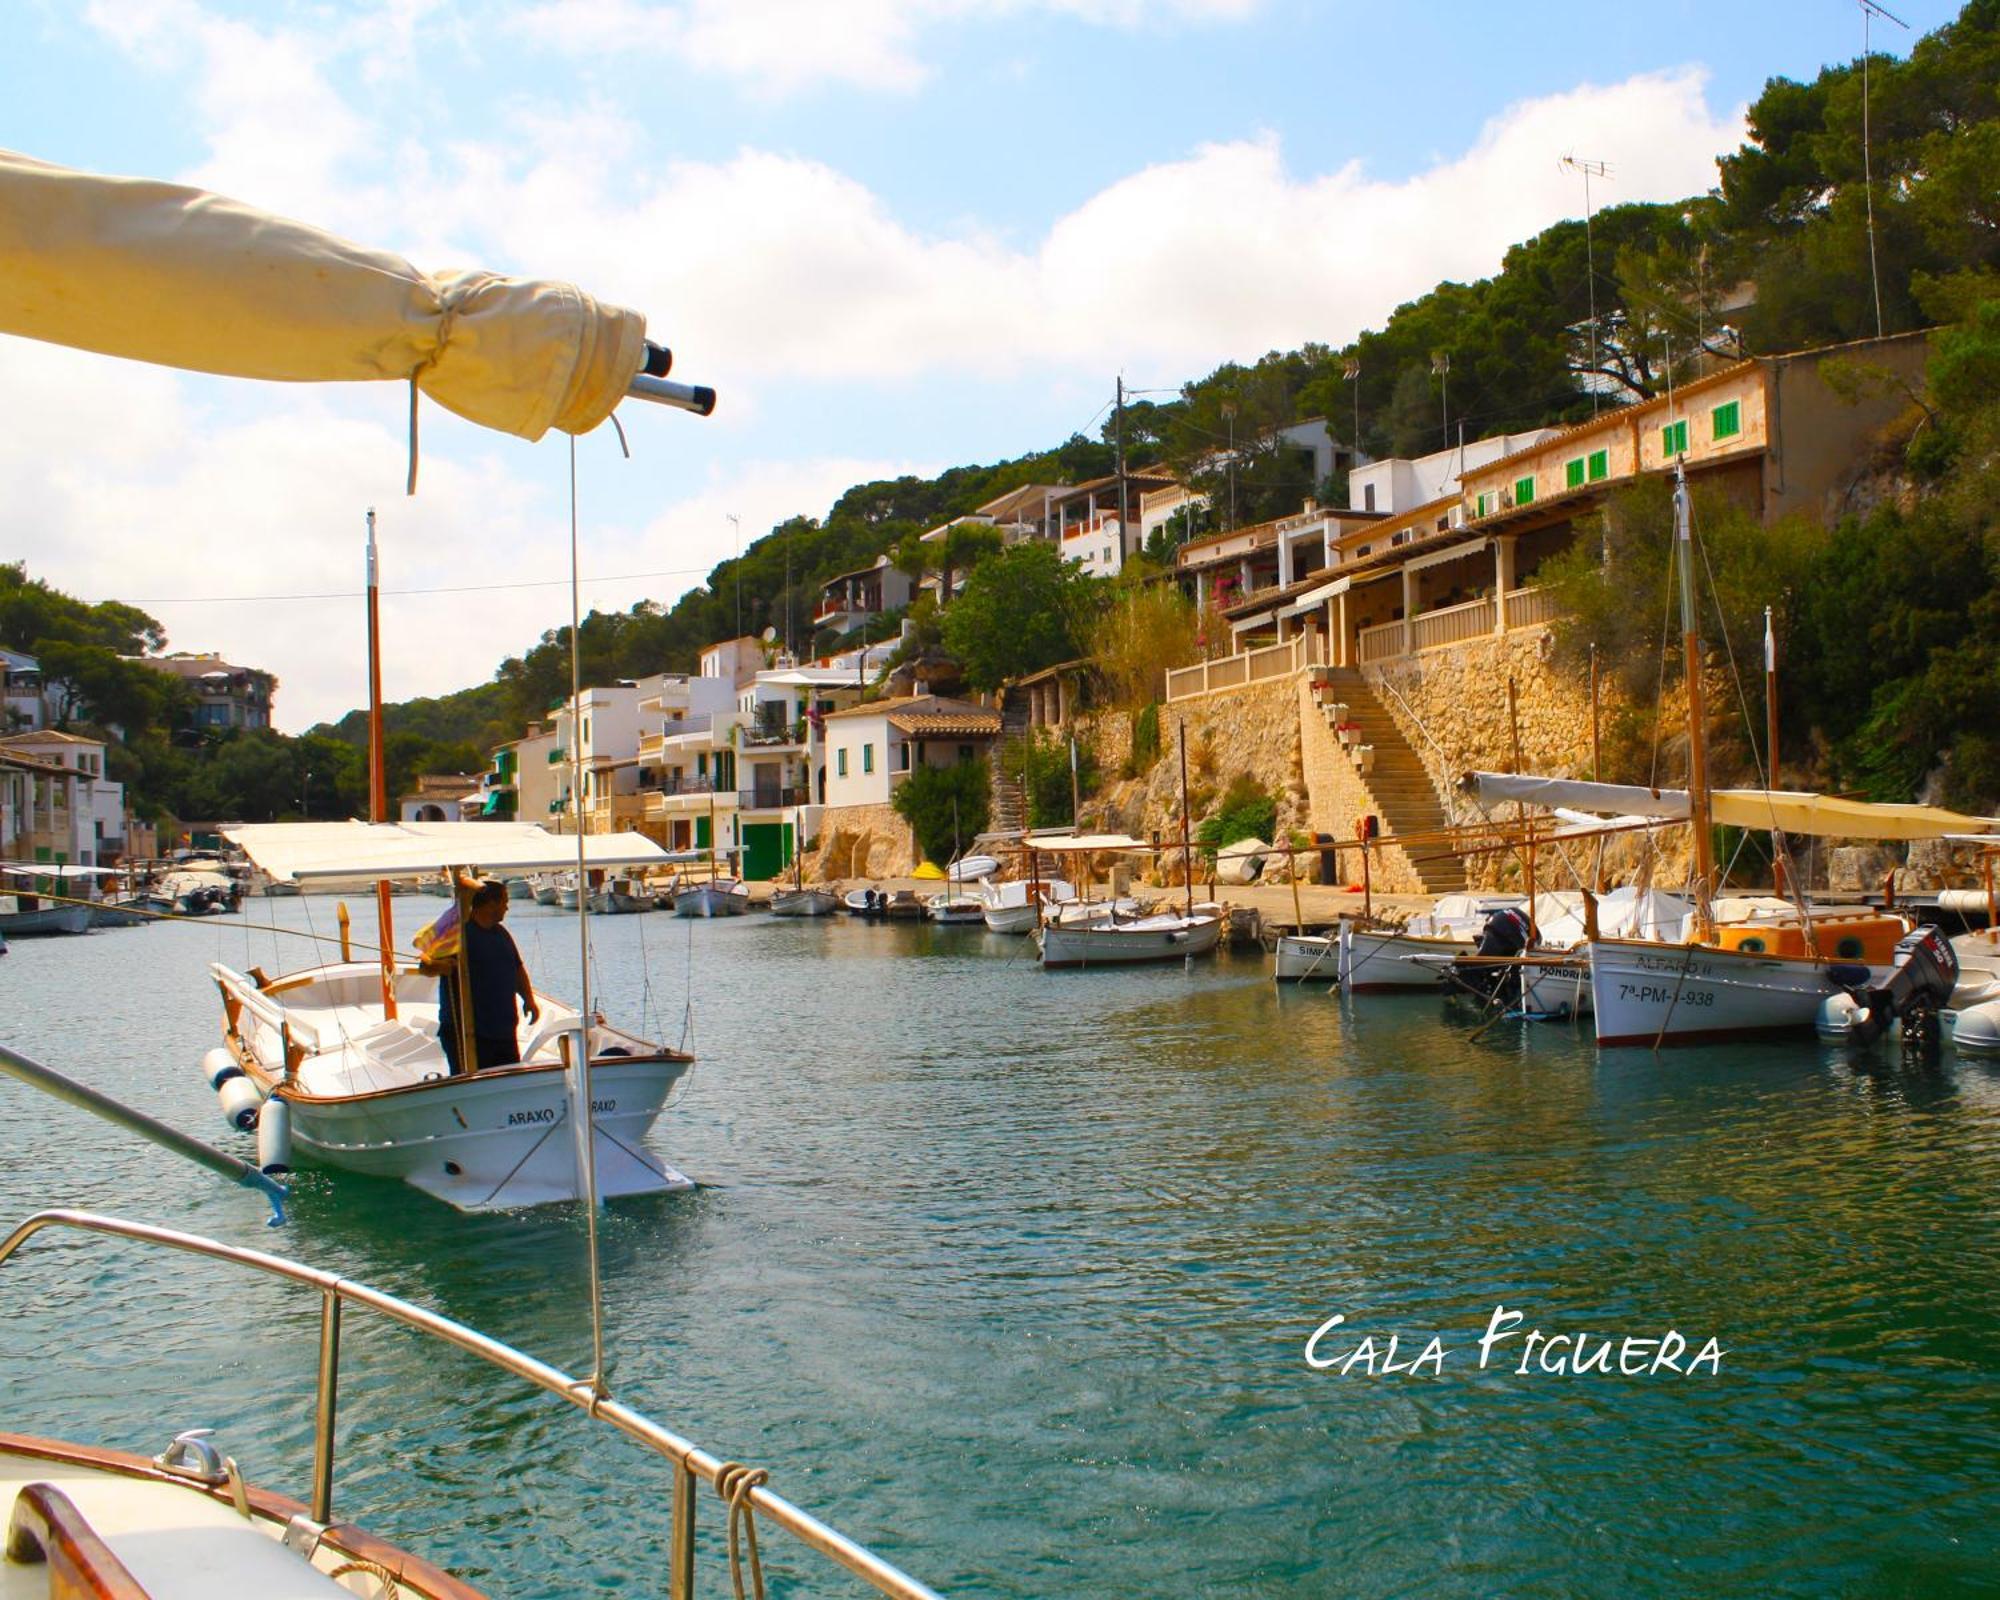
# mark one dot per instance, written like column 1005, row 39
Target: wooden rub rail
column 691, row 1464
column 47, row 1527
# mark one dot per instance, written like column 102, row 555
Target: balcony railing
column 757, row 733
column 1523, row 608
column 772, row 798
column 1247, row 666
column 1452, row 624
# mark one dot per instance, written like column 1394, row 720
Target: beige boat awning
column 296, row 852
column 1790, row 811
column 171, row 275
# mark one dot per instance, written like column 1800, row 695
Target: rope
column 375, row 1569
column 733, row 1482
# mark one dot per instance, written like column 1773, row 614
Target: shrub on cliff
column 945, row 806
column 1247, row 810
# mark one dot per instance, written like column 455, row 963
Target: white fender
column 240, row 1102
column 218, row 1066
column 274, row 1138
column 1836, row 1017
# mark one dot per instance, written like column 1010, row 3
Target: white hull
column 1304, row 956
column 375, row 1095
column 616, row 903
column 804, row 903
column 45, row 921
column 1013, row 919
column 711, row 900
column 1557, row 988
column 498, row 1139
column 1105, row 944
column 1373, row 962
column 1690, row 994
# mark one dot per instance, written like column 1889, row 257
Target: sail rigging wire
column 586, row 1148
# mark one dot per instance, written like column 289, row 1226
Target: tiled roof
column 45, row 736
column 973, row 723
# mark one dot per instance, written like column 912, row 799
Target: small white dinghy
column 1018, row 907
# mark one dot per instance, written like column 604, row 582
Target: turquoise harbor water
column 1010, row 1275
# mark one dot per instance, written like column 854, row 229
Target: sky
column 895, row 235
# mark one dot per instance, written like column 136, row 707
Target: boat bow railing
column 692, row 1466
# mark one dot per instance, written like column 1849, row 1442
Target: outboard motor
column 1920, row 983
column 1504, row 934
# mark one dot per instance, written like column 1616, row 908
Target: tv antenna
column 1869, row 11
column 1590, row 169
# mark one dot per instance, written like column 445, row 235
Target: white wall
column 853, row 734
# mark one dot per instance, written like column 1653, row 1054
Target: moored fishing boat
column 622, row 896
column 350, row 1049
column 714, row 897
column 1162, row 936
column 1018, row 906
column 954, row 909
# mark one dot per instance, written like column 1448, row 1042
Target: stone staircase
column 1007, row 814
column 1404, row 797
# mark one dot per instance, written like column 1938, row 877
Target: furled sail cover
column 1790, row 811
column 180, row 278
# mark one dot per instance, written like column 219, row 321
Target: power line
column 460, row 588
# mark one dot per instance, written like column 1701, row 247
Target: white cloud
column 778, row 47
column 132, row 484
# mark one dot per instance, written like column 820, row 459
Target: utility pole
column 737, row 523
column 1441, row 370
column 1351, row 371
column 1590, row 169
column 1869, row 11
column 1229, row 411
column 1124, row 520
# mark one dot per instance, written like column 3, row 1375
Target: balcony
column 767, row 732
column 772, row 797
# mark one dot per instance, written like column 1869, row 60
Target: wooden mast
column 1700, row 815
column 378, row 774
column 1771, row 746
column 1187, row 851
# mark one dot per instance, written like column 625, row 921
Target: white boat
column 954, row 909
column 622, row 896
column 520, row 889
column 718, row 897
column 1305, row 957
column 1017, row 907
column 361, row 1074
column 546, row 891
column 41, row 922
column 972, row 869
column 804, row 903
column 1165, row 936
column 566, row 891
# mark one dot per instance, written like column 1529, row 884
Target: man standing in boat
column 494, row 974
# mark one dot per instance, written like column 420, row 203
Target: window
column 1485, row 503
column 1524, row 491
column 701, row 762
column 903, row 757
column 586, row 730
column 1573, row 473
column 1368, row 497
column 1600, row 465
column 867, row 758
column 1727, row 421
column 1674, row 438
column 964, row 754
column 840, row 761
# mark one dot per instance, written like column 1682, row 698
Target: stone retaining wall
column 862, row 842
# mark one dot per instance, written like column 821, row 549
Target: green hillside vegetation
column 1915, row 579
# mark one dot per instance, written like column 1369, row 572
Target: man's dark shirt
column 492, row 963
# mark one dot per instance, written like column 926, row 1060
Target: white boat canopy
column 51, row 869
column 1083, row 844
column 297, row 852
column 1791, row 811
column 171, row 275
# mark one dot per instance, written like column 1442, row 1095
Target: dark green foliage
column 1145, row 742
column 1247, row 810
column 1021, row 610
column 1047, row 772
column 945, row 806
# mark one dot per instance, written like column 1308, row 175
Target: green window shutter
column 1727, row 420
column 1674, row 438
column 867, row 758
column 840, row 761
column 1524, row 491
column 1600, row 465
column 1573, row 474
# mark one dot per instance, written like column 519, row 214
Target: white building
column 82, row 821
column 1395, row 483
column 872, row 747
column 22, row 707
column 854, row 599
